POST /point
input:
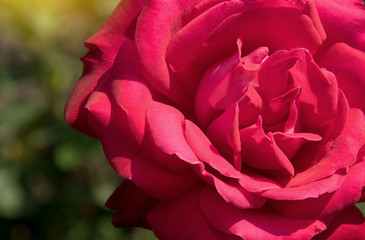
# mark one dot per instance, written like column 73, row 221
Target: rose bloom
column 240, row 119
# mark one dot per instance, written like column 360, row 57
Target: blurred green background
column 54, row 181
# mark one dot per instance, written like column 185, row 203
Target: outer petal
column 132, row 206
column 347, row 225
column 258, row 24
column 230, row 190
column 99, row 110
column 347, row 64
column 103, row 46
column 310, row 190
column 275, row 30
column 348, row 194
column 344, row 21
column 166, row 135
column 182, row 220
column 224, row 133
column 342, row 153
column 129, row 89
column 254, row 224
column 132, row 162
column 206, row 152
column 193, row 35
column 158, row 22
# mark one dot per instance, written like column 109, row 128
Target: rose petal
column 293, row 123
column 309, row 190
column 129, row 89
column 250, row 107
column 221, row 86
column 132, row 162
column 99, row 112
column 255, row 183
column 275, row 68
column 254, row 224
column 206, row 152
column 230, row 190
column 350, row 190
column 165, row 129
column 347, row 225
column 278, row 109
column 347, row 64
column 343, row 152
column 344, row 21
column 182, row 219
column 131, row 204
column 318, row 99
column 348, row 194
column 193, row 35
column 260, row 151
column 291, row 143
column 287, row 69
column 103, row 47
column 224, row 133
column 311, row 153
column 157, row 23
column 275, row 24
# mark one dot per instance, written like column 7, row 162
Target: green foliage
column 54, row 181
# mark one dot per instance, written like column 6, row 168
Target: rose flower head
column 228, row 120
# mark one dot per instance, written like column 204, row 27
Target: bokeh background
column 54, row 181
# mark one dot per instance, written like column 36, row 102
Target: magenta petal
column 276, row 69
column 254, row 224
column 99, row 112
column 348, row 194
column 193, row 35
column 310, row 190
column 230, row 190
column 311, row 154
column 293, row 123
column 287, row 69
column 129, row 90
column 259, row 150
column 132, row 206
column 278, row 109
column 182, row 220
column 222, row 85
column 140, row 169
column 131, row 161
column 350, row 190
column 165, row 125
column 347, row 225
column 347, row 64
column 157, row 23
column 250, row 107
column 256, row 183
column 275, row 24
column 291, row 143
column 206, row 152
column 103, row 48
column 342, row 154
column 343, row 21
column 224, row 134
column 319, row 96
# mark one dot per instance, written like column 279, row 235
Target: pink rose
column 230, row 119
